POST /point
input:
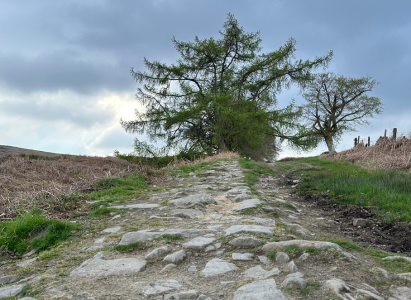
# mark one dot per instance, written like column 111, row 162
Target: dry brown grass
column 50, row 184
column 47, row 184
column 387, row 153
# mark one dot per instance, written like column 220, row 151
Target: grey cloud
column 76, row 113
column 61, row 70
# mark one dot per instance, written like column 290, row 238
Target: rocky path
column 206, row 236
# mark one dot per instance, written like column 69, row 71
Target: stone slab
column 142, row 236
column 245, row 204
column 11, row 291
column 259, row 290
column 97, row 266
column 187, row 213
column 217, row 267
column 198, row 243
column 193, row 199
column 304, row 244
column 249, row 228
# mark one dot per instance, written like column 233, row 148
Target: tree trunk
column 330, row 144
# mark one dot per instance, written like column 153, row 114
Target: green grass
column 346, row 244
column 117, row 189
column 102, row 211
column 254, row 169
column 293, row 252
column 352, row 184
column 171, row 238
column 130, row 247
column 19, row 234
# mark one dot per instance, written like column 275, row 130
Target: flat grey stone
column 369, row 294
column 29, row 253
column 397, row 257
column 250, row 203
column 264, row 259
column 381, row 271
column 112, row 229
column 281, row 258
column 297, row 228
column 139, row 205
column 156, row 254
column 305, row 244
column 405, row 275
column 267, row 208
column 264, row 222
column 198, row 243
column 9, row 279
column 156, row 290
column 304, row 256
column 141, row 236
column 246, row 242
column 28, row 298
column 217, row 267
column 97, row 266
column 258, row 272
column 11, row 291
column 259, row 290
column 210, row 248
column 339, row 288
column 27, row 262
column 99, row 241
column 292, row 267
column 168, row 268
column 176, row 257
column 192, row 269
column 296, row 280
column 249, row 228
column 241, row 197
column 216, row 216
column 192, row 294
column 361, row 222
column 401, row 293
column 193, row 199
column 188, row 213
column 94, row 248
column 242, row 256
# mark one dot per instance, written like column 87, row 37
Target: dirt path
column 207, row 236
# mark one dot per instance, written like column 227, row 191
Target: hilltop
column 16, row 150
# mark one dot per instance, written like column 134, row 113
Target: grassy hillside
column 16, row 150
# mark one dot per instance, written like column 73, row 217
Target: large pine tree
column 220, row 95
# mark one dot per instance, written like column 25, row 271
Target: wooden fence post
column 394, row 133
column 385, row 133
column 369, row 142
column 355, row 142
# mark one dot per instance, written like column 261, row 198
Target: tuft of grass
column 346, row 244
column 254, row 169
column 20, row 234
column 172, row 238
column 102, row 211
column 293, row 252
column 130, row 247
column 117, row 189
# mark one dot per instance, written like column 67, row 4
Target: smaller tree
column 337, row 104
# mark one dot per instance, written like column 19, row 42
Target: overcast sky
column 65, row 65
